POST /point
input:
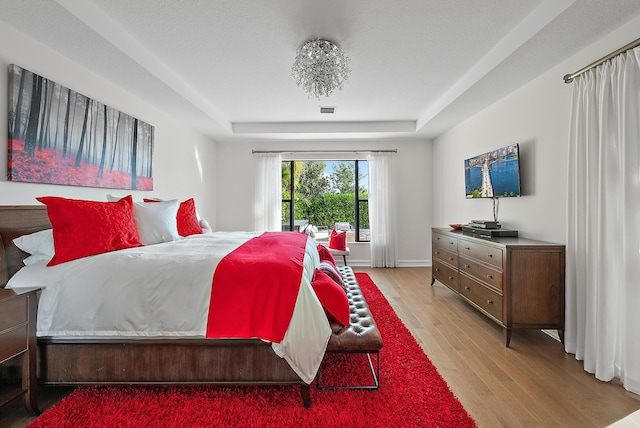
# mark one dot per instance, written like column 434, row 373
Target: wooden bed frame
column 140, row 361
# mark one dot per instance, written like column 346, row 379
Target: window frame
column 357, row 200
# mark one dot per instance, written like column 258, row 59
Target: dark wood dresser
column 18, row 312
column 517, row 282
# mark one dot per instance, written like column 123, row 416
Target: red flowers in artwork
column 48, row 166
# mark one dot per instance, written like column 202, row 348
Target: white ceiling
column 419, row 67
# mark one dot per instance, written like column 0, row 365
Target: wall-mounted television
column 495, row 174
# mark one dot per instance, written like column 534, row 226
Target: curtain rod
column 568, row 78
column 325, row 151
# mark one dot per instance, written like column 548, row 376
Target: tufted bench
column 361, row 336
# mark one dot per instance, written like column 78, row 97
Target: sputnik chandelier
column 320, row 67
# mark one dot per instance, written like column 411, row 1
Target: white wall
column 236, row 190
column 183, row 158
column 221, row 176
column 537, row 117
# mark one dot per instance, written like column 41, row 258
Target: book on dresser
column 485, row 224
column 489, row 232
column 516, row 282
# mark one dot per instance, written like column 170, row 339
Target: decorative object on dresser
column 487, row 228
column 489, row 232
column 517, row 282
column 18, row 339
column 485, row 224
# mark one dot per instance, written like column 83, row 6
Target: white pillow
column 38, row 244
column 204, row 224
column 114, row 198
column 156, row 221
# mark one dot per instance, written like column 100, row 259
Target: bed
column 141, row 360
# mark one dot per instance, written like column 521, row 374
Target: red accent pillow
column 86, row 228
column 338, row 240
column 325, row 255
column 332, row 297
column 187, row 219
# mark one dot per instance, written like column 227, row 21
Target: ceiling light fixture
column 320, row 67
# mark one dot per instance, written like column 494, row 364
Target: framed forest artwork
column 58, row 136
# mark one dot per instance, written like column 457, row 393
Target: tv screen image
column 495, row 174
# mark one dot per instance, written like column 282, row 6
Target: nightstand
column 18, row 311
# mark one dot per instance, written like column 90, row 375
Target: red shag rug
column 411, row 394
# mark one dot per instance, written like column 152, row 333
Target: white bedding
column 163, row 290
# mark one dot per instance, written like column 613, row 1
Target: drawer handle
column 451, row 258
column 467, row 248
column 452, row 243
column 490, row 301
column 489, row 255
column 467, row 287
column 437, row 269
column 437, row 252
column 490, row 276
column 467, row 266
column 437, row 238
column 450, row 278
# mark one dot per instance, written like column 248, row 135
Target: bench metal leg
column 375, row 374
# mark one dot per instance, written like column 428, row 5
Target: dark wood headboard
column 17, row 220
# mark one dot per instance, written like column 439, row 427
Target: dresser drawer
column 13, row 312
column 13, row 342
column 481, row 272
column 481, row 252
column 444, row 241
column 445, row 275
column 483, row 297
column 446, row 256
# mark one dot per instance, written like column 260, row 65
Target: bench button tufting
column 361, row 335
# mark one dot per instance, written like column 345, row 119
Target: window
column 327, row 195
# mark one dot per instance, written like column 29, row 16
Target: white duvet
column 163, row 290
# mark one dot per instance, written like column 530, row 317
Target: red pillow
column 85, row 228
column 187, row 219
column 338, row 240
column 325, row 255
column 332, row 297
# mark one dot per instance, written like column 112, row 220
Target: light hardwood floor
column 533, row 383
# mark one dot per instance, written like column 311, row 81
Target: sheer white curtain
column 603, row 221
column 382, row 216
column 268, row 199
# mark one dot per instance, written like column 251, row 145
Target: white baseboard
column 414, row 263
column 401, row 263
column 552, row 333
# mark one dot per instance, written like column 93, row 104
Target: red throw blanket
column 255, row 288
